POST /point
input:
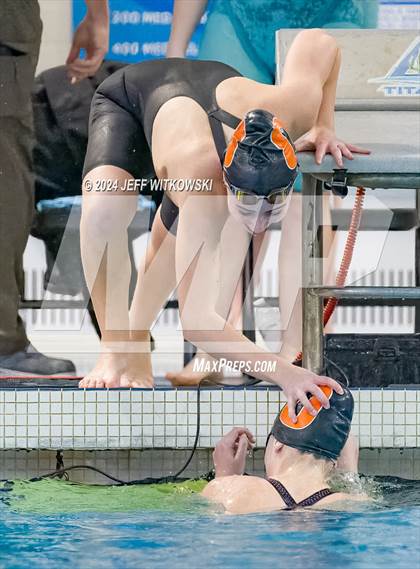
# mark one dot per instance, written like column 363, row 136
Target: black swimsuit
column 125, row 106
column 291, row 502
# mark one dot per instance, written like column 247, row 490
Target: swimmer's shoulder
column 243, row 494
column 337, row 500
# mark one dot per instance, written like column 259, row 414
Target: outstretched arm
column 325, row 116
column 348, row 461
column 197, row 265
column 186, row 15
column 322, row 138
column 92, row 34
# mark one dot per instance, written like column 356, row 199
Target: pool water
column 54, row 523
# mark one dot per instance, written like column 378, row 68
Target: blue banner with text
column 139, row 28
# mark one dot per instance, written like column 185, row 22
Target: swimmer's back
column 142, row 88
column 252, row 494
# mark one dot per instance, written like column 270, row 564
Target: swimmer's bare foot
column 188, row 376
column 120, row 370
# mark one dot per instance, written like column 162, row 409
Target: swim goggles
column 275, row 197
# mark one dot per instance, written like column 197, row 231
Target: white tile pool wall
column 167, row 418
column 137, row 464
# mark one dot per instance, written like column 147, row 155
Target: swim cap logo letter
column 282, row 142
column 304, row 418
column 237, row 137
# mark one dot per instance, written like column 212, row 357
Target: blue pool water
column 384, row 534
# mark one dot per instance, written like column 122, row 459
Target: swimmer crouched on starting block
column 299, row 460
column 174, row 116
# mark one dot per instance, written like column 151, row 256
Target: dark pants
column 17, row 70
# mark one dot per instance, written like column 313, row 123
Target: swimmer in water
column 299, row 459
column 171, row 119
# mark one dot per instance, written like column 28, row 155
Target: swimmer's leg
column 156, row 280
column 106, row 216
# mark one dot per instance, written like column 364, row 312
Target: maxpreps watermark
column 202, row 365
column 154, row 185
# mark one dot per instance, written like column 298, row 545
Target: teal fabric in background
column 241, row 33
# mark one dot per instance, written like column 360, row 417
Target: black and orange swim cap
column 260, row 158
column 324, row 434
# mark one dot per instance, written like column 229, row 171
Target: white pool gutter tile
column 69, row 419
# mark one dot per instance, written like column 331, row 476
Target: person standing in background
column 20, row 38
column 241, row 33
